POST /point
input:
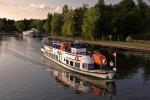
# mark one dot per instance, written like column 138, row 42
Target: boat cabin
column 78, row 50
column 64, row 46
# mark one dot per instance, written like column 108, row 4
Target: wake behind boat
column 75, row 57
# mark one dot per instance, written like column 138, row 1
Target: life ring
column 76, row 58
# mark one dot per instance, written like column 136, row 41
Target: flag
column 114, row 54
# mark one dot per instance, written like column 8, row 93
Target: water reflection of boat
column 84, row 84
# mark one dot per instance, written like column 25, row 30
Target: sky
column 38, row 9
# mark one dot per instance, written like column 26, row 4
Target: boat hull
column 109, row 75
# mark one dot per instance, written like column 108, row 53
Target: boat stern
column 42, row 50
column 111, row 74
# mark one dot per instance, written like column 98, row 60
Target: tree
column 142, row 7
column 105, row 21
column 38, row 24
column 20, row 26
column 56, row 24
column 126, row 19
column 78, row 20
column 126, row 5
column 133, row 23
column 47, row 25
column 1, row 25
column 68, row 25
column 10, row 26
column 65, row 10
column 101, row 2
column 101, row 22
column 147, row 20
column 89, row 23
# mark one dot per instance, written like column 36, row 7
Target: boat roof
column 78, row 45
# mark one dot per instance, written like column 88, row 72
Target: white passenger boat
column 76, row 58
column 31, row 33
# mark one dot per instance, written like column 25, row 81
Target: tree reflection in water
column 128, row 62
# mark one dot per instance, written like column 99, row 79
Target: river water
column 26, row 75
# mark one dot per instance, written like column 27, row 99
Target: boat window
column 88, row 66
column 85, row 65
column 77, row 65
column 57, row 46
column 64, row 59
column 54, row 45
column 56, row 57
column 67, row 61
column 51, row 54
column 71, row 77
column 71, row 63
column 77, row 80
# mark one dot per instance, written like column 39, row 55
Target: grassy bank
column 123, row 45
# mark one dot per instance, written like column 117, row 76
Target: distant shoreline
column 8, row 33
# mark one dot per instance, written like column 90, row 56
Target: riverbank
column 123, row 45
column 9, row 34
column 5, row 33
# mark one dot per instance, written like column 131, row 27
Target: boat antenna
column 115, row 55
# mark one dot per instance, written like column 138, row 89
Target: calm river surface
column 26, row 75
